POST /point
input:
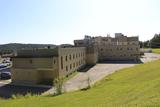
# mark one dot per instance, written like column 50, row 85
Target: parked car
column 3, row 65
column 5, row 75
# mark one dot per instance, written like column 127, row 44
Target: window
column 73, row 56
column 73, row 65
column 66, row 58
column 76, row 55
column 70, row 66
column 137, row 49
column 30, row 61
column 66, row 68
column 61, row 62
column 70, row 57
column 54, row 61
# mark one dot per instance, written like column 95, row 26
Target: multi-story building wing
column 119, row 48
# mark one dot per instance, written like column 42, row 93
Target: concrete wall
column 91, row 55
column 28, row 63
column 25, row 76
column 34, row 70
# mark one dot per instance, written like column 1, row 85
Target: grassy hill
column 138, row 86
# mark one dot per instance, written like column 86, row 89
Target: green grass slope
column 156, row 50
column 138, row 86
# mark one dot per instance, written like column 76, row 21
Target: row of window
column 80, row 62
column 119, row 43
column 74, row 65
column 73, row 56
column 118, row 49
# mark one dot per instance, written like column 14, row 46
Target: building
column 44, row 65
column 0, row 59
column 119, row 48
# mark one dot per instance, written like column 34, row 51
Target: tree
column 155, row 41
column 58, row 84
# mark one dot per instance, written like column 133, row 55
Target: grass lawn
column 138, row 86
column 156, row 50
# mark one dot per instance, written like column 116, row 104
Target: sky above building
column 62, row 21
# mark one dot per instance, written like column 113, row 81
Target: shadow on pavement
column 86, row 68
column 121, row 62
column 6, row 91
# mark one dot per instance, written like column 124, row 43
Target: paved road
column 100, row 70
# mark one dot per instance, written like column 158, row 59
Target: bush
column 18, row 96
column 58, row 84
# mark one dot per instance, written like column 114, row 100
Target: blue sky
column 62, row 21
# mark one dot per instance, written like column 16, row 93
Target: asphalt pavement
column 7, row 90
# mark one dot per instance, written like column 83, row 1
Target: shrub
column 58, row 84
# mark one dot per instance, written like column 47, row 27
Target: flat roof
column 36, row 53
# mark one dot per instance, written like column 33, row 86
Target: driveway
column 101, row 70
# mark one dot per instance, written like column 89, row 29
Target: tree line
column 153, row 43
